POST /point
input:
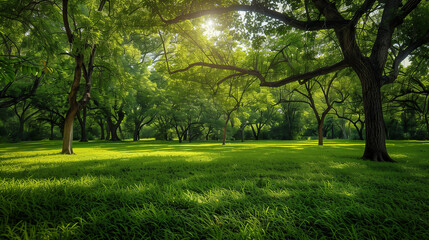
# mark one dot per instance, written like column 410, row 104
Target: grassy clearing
column 255, row 190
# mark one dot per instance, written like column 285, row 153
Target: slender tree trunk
column 254, row 132
column 359, row 131
column 242, row 132
column 349, row 131
column 51, row 136
column 68, row 130
column 136, row 131
column 101, row 124
column 427, row 123
column 82, row 122
column 320, row 131
column 208, row 133
column 224, row 129
column 21, row 128
column 74, row 107
column 107, row 132
column 375, row 145
column 189, row 133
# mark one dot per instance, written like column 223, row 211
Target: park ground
column 250, row 190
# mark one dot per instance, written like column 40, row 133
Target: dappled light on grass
column 257, row 190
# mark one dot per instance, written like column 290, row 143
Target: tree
column 324, row 84
column 24, row 111
column 261, row 111
column 352, row 111
column 367, row 54
column 413, row 93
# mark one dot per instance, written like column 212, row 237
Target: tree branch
column 405, row 11
column 308, row 75
column 303, row 25
column 403, row 54
column 362, row 10
column 66, row 21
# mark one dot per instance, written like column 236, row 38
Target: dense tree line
column 171, row 70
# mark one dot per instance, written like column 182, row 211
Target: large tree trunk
column 113, row 129
column 375, row 145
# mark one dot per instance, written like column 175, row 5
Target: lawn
column 250, row 190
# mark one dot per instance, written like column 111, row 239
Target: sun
column 209, row 28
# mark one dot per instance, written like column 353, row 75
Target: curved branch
column 300, row 77
column 303, row 25
column 403, row 54
column 224, row 67
column 367, row 5
column 408, row 7
column 66, row 21
column 308, row 75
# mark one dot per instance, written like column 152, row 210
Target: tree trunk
column 68, row 130
column 51, row 136
column 320, row 132
column 242, row 132
column 101, row 124
column 224, row 129
column 375, row 144
column 136, row 131
column 82, row 122
column 254, row 132
column 113, row 131
column 74, row 107
column 349, row 131
column 107, row 132
column 21, row 128
column 189, row 133
column 360, row 132
column 427, row 124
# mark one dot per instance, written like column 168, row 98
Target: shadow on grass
column 262, row 192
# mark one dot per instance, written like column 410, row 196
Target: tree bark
column 113, row 130
column 101, row 124
column 427, row 124
column 320, row 132
column 224, row 129
column 242, row 132
column 74, row 107
column 136, row 132
column 375, row 145
column 68, row 130
column 51, row 136
column 82, row 122
column 108, row 132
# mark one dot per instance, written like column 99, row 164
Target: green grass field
column 251, row 190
